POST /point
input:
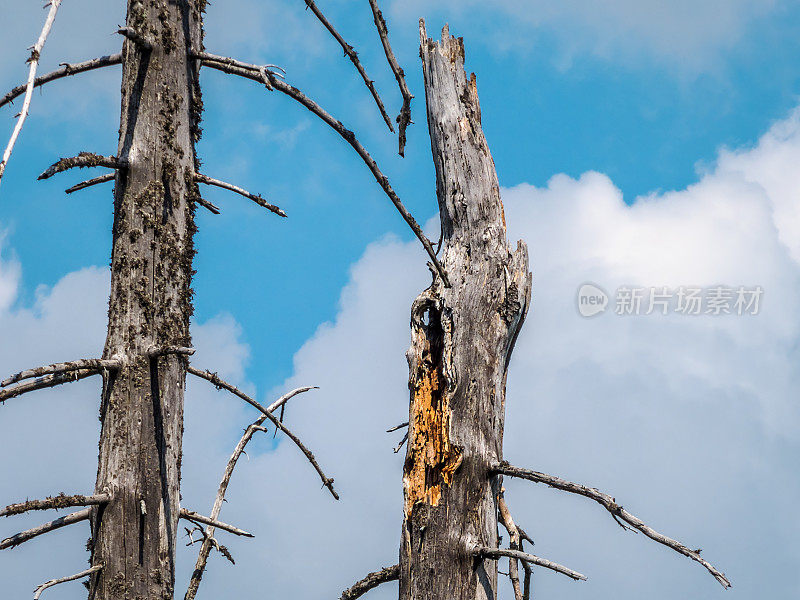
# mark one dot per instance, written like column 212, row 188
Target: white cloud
column 50, row 437
column 83, row 29
column 9, row 278
column 682, row 33
column 691, row 422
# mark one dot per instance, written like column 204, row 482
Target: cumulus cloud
column 83, row 29
column 685, row 34
column 50, row 437
column 690, row 421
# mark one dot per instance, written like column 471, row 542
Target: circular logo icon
column 592, row 300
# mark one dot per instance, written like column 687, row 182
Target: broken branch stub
column 54, row 503
column 370, row 582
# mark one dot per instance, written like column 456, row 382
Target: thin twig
column 95, row 364
column 208, row 534
column 198, row 518
column 526, row 585
column 248, row 71
column 83, row 160
column 45, row 382
column 54, row 502
column 281, row 402
column 609, row 503
column 496, row 553
column 212, row 208
column 66, row 70
column 212, row 541
column 220, row 384
column 404, row 118
column 90, row 182
column 371, row 581
column 401, row 443
column 396, row 427
column 38, row 592
column 353, row 56
column 34, row 64
column 24, row 536
column 209, row 540
column 513, row 533
column 200, row 178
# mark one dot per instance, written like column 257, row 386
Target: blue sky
column 637, row 142
column 645, row 115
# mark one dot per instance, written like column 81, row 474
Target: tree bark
column 134, row 536
column 462, row 339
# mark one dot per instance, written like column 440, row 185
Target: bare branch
column 609, row 503
column 38, row 592
column 513, row 533
column 371, row 581
column 45, row 382
column 156, row 351
column 220, row 384
column 90, row 182
column 66, row 70
column 137, row 38
column 281, row 402
column 232, row 62
column 54, row 502
column 401, row 443
column 208, row 534
column 95, row 364
column 404, row 118
column 34, row 64
column 16, row 540
column 396, row 427
column 200, row 178
column 84, row 159
column 496, row 553
column 353, row 56
column 198, row 518
column 213, row 208
column 228, row 65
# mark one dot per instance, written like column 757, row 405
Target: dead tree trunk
column 462, row 339
column 150, row 303
column 134, row 514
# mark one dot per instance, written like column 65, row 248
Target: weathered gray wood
column 462, row 338
column 370, row 582
column 38, row 591
column 66, row 70
column 134, row 536
column 65, row 367
column 29, row 534
column 54, row 503
column 623, row 518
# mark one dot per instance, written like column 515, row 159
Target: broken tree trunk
column 150, row 303
column 462, row 339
